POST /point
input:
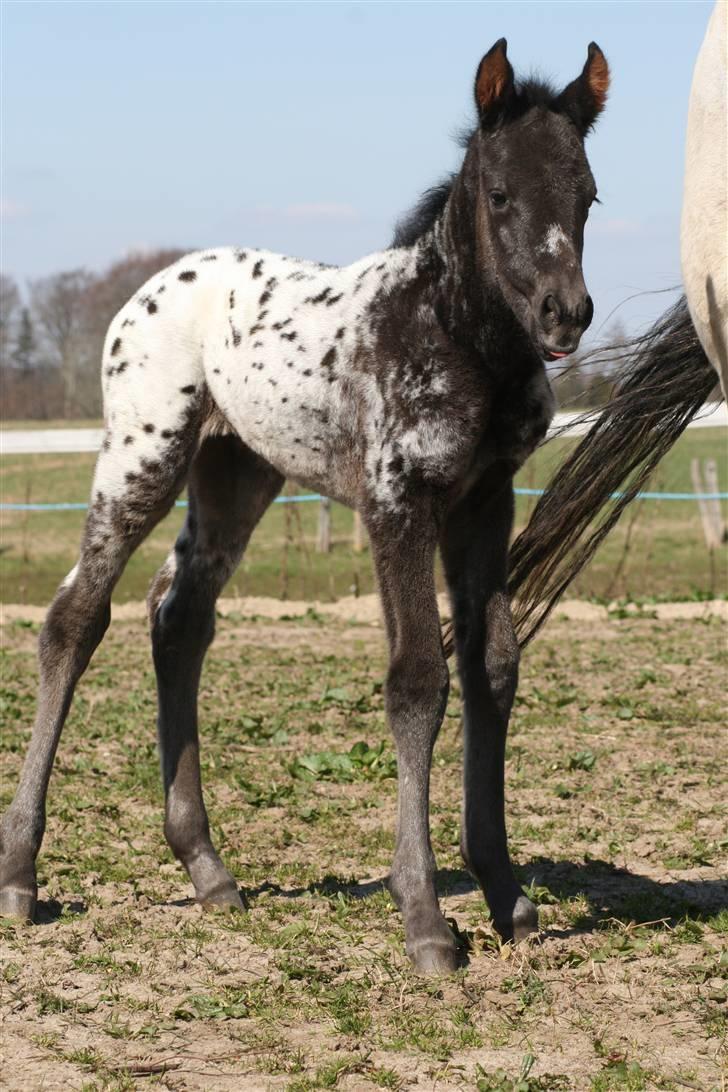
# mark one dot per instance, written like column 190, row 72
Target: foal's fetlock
column 429, row 941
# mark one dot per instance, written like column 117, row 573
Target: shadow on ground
column 622, row 895
column 611, row 892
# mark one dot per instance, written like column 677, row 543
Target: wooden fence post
column 359, row 534
column 713, row 534
column 711, row 480
column 323, row 543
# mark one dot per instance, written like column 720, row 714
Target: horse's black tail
column 663, row 379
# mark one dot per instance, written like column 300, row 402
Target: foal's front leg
column 416, row 695
column 475, row 554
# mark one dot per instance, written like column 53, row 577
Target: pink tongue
column 557, row 356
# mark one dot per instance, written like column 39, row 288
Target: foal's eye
column 498, row 199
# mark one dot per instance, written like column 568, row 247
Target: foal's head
column 533, row 191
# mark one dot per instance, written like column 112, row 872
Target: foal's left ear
column 586, row 96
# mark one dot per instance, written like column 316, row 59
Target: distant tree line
column 51, row 341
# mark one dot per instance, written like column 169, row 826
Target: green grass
column 125, row 978
column 657, row 551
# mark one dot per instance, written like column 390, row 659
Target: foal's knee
column 417, row 686
column 76, row 622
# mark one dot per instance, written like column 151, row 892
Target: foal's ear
column 586, row 96
column 493, row 82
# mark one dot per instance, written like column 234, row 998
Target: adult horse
column 664, row 377
column 410, row 385
column 704, row 229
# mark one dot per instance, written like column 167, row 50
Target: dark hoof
column 434, row 957
column 17, row 902
column 522, row 922
column 226, row 897
column 437, row 951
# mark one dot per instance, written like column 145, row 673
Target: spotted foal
column 410, row 386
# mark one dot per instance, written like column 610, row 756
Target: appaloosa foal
column 409, row 385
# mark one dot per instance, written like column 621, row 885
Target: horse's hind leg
column 125, row 505
column 229, row 489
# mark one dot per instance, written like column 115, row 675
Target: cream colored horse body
column 704, row 228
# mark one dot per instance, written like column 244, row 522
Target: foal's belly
column 286, row 411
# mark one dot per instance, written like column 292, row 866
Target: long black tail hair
column 663, row 378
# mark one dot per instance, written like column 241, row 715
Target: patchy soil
column 616, row 801
column 365, row 610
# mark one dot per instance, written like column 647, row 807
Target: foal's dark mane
column 534, row 91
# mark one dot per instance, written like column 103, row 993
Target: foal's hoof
column 17, row 902
column 434, row 956
column 225, row 897
column 522, row 922
column 436, row 952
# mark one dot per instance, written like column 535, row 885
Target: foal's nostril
column 550, row 311
column 588, row 313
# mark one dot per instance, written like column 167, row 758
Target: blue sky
column 309, row 127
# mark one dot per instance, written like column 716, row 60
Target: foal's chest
column 521, row 415
column 279, row 361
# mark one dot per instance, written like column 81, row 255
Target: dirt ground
column 616, row 804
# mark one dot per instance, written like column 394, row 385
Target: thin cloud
column 11, row 210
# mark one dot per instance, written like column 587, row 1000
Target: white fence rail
column 41, row 441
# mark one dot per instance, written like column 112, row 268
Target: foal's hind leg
column 125, row 506
column 229, row 489
column 475, row 553
column 416, row 696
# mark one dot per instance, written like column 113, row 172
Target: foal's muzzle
column 562, row 316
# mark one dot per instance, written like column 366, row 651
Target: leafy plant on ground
column 360, row 762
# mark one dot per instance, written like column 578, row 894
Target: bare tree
column 60, row 309
column 52, row 351
column 106, row 295
column 9, row 304
column 24, row 354
column 111, row 291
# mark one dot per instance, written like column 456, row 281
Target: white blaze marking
column 555, row 240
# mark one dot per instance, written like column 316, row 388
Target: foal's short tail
column 663, row 379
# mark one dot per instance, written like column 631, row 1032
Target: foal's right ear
column 493, row 82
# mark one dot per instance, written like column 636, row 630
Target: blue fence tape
column 641, row 496
column 81, row 506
